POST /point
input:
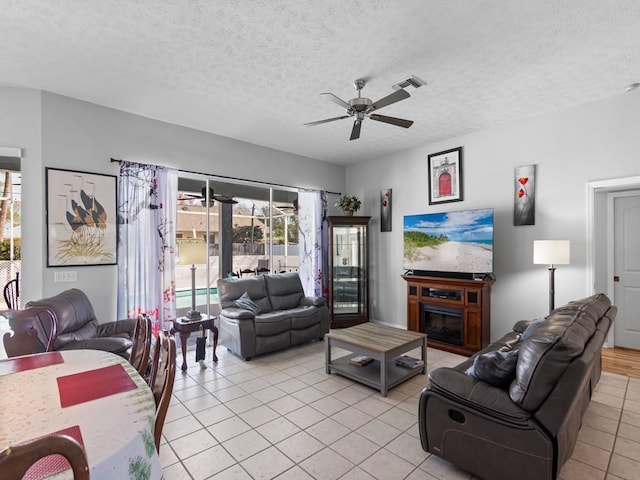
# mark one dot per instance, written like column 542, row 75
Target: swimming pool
column 183, row 297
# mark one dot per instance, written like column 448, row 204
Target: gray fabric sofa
column 78, row 327
column 526, row 429
column 286, row 316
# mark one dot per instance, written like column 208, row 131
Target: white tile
column 372, row 406
column 213, row 415
column 258, row 416
column 300, row 446
column 230, row 393
column 357, row 474
column 627, row 448
column 243, row 404
column 441, row 469
column 235, row 472
column 229, row 428
column 379, row 432
column 180, row 427
column 355, row 448
column 398, row 418
column 294, row 473
column 326, row 465
column 594, row 456
column 267, row 464
column 329, row 405
column 352, row 418
column 386, row 466
column 305, row 417
column 328, row 431
column 575, row 470
column 191, row 444
column 308, row 394
column 199, row 404
column 176, row 472
column 623, row 467
column 207, row 463
column 277, row 430
column 408, row 448
column 269, row 394
column 245, row 445
column 286, row 404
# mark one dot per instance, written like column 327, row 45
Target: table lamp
column 193, row 253
column 551, row 252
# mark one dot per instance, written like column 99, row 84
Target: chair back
column 163, row 373
column 141, row 347
column 12, row 293
column 16, row 460
column 23, row 337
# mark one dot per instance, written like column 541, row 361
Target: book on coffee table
column 360, row 360
column 409, row 362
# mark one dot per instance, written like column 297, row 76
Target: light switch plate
column 65, row 276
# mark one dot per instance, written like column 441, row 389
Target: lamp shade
column 551, row 252
column 192, row 254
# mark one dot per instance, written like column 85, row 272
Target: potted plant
column 348, row 204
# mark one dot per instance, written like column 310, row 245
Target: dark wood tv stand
column 472, row 298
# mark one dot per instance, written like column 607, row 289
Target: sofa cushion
column 303, row 317
column 272, row 323
column 231, row 289
column 496, row 368
column 285, row 290
column 556, row 341
column 246, row 303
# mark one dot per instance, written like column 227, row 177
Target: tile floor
column 280, row 416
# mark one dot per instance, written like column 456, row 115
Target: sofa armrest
column 476, row 394
column 313, row 301
column 238, row 313
column 118, row 328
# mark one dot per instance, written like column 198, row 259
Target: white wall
column 592, row 142
column 20, row 127
column 82, row 136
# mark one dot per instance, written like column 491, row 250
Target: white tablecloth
column 117, row 430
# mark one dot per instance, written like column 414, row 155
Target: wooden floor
column 624, row 361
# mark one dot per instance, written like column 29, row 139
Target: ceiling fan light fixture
column 632, row 87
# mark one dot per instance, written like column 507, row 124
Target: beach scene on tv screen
column 459, row 241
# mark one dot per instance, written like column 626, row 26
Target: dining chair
column 12, row 293
column 16, row 460
column 141, row 347
column 247, row 271
column 163, row 373
column 23, row 338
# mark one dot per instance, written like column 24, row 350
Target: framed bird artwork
column 81, row 218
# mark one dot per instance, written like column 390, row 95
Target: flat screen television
column 452, row 244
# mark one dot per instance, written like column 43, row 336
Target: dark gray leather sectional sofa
column 527, row 429
column 286, row 316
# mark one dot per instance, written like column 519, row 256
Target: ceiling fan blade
column 355, row 131
column 388, row 100
column 332, row 98
column 310, row 124
column 398, row 122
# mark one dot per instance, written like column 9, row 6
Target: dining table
column 96, row 397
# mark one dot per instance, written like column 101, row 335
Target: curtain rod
column 115, row 160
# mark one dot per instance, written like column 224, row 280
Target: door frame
column 611, row 185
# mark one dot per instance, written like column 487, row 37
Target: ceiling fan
column 361, row 107
column 212, row 197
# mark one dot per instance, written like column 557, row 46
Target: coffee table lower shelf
column 370, row 374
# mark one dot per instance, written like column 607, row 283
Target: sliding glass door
column 237, row 229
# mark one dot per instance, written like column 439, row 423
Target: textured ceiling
column 253, row 70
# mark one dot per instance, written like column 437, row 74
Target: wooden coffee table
column 384, row 345
column 184, row 327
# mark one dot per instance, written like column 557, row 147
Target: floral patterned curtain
column 312, row 205
column 147, row 200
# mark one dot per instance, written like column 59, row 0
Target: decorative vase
column 348, row 213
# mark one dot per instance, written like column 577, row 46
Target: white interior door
column 627, row 270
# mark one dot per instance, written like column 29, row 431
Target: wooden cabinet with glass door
column 348, row 271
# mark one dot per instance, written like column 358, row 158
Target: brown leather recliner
column 78, row 327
